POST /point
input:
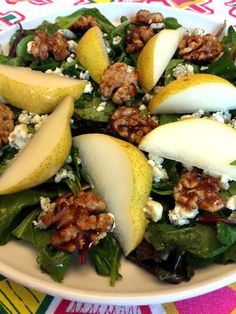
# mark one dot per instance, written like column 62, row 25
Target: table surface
column 17, row 299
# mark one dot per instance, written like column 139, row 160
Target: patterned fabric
column 17, row 299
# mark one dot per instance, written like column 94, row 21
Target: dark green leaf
column 87, row 109
column 233, row 163
column 200, row 240
column 28, row 232
column 9, row 60
column 54, row 262
column 228, row 256
column 167, row 118
column 12, row 205
column 226, row 234
column 171, row 23
column 106, row 257
column 48, row 27
column 67, row 21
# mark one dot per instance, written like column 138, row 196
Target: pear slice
column 91, row 52
column 188, row 94
column 156, row 54
column 36, row 91
column 41, row 158
column 122, row 177
column 203, row 143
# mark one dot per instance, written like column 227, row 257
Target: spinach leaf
column 54, row 262
column 226, row 234
column 67, row 21
column 162, row 188
column 86, row 108
column 28, row 232
column 228, row 256
column 200, row 240
column 171, row 23
column 106, row 257
column 9, row 60
column 8, row 154
column 169, row 265
column 168, row 118
column 12, row 205
column 21, row 49
column 50, row 28
column 225, row 65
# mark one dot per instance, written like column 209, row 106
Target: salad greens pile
column 170, row 252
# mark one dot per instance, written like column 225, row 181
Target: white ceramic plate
column 17, row 259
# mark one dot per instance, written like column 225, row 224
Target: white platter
column 17, row 259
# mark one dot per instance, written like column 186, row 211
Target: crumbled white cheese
column 32, row 118
column 57, row 71
column 221, row 116
column 224, row 182
column 233, row 123
column 19, row 137
column 159, row 173
column 157, row 25
column 72, row 45
column 153, row 210
column 101, row 106
column 146, row 98
column 130, row 68
column 68, row 34
column 156, row 158
column 71, row 58
column 198, row 114
column 188, row 167
column 231, row 203
column 198, row 31
column 203, row 68
column 182, row 70
column 108, row 48
column 88, row 88
column 69, row 160
column 142, row 107
column 180, row 216
column 29, row 47
column 84, row 75
column 64, row 174
column 157, row 89
column 116, row 40
column 46, row 204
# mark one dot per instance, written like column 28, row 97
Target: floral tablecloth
column 17, row 299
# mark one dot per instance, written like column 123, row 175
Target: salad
column 190, row 211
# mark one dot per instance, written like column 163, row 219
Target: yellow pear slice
column 122, row 177
column 203, row 143
column 156, row 55
column 92, row 53
column 190, row 93
column 41, row 158
column 36, row 91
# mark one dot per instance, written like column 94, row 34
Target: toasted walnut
column 200, row 48
column 145, row 17
column 45, row 44
column 78, row 220
column 84, row 23
column 195, row 190
column 137, row 38
column 129, row 124
column 6, row 124
column 120, row 80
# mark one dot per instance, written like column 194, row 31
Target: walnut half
column 6, row 124
column 129, row 124
column 79, row 221
column 196, row 190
